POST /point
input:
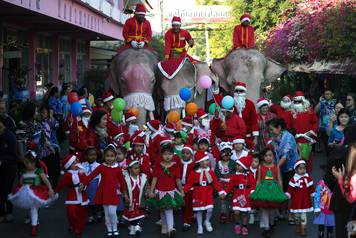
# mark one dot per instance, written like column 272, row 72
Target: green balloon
column 119, row 104
column 116, row 115
column 212, row 109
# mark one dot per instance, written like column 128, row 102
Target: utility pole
column 162, row 15
column 208, row 59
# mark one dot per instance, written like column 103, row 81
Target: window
column 81, row 60
column 65, row 46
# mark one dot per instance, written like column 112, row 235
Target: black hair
column 3, row 120
column 277, row 122
column 110, row 147
column 45, row 107
column 328, row 89
column 167, row 147
column 353, row 95
column 122, row 149
column 96, row 117
column 89, row 149
column 265, row 150
column 65, row 86
column 82, row 91
column 343, row 111
column 28, row 111
column 30, row 156
column 53, row 91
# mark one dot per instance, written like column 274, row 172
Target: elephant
column 132, row 76
column 249, row 66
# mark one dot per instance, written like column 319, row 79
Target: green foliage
column 157, row 43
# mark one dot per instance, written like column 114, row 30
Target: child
column 239, row 148
column 77, row 200
column 186, row 165
column 136, row 184
column 88, row 167
column 242, row 183
column 203, row 181
column 254, row 170
column 324, row 217
column 224, row 170
column 203, row 145
column 34, row 190
column 301, row 192
column 163, row 192
column 268, row 194
column 111, row 181
column 121, row 153
column 179, row 140
column 137, row 153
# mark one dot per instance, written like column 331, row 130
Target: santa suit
column 242, row 184
column 135, row 189
column 78, row 136
column 144, row 160
column 286, row 115
column 301, row 190
column 136, row 31
column 203, row 190
column 244, row 37
column 175, row 42
column 234, row 126
column 76, row 201
column 234, row 156
column 154, row 147
column 185, row 168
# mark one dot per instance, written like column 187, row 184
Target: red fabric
column 144, row 160
column 111, row 182
column 77, row 217
column 78, row 136
column 171, row 66
column 244, row 37
column 242, row 184
column 218, row 98
column 304, row 122
column 189, row 168
column 188, row 208
column 175, row 40
column 300, row 191
column 281, row 113
column 166, row 182
column 249, row 116
column 134, row 30
column 154, row 148
column 135, row 211
column 263, row 170
column 235, row 126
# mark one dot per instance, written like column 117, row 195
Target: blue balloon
column 227, row 102
column 185, row 94
column 76, row 108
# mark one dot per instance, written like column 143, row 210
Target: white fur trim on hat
column 183, row 123
column 240, row 87
column 132, row 163
column 151, row 127
column 132, row 118
column 118, row 136
column 176, row 23
column 70, row 162
column 239, row 141
column 299, row 98
column 245, row 19
column 188, row 148
column 299, row 162
column 108, row 98
column 86, row 110
column 204, row 138
column 202, row 159
column 262, row 103
column 225, row 145
column 165, row 141
column 140, row 13
column 240, row 163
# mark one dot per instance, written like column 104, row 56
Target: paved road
column 53, row 223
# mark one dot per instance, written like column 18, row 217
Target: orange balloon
column 191, row 108
column 135, row 111
column 173, row 117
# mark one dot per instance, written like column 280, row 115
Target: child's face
column 44, row 113
column 135, row 169
column 120, row 155
column 239, row 168
column 238, row 147
column 186, row 155
column 91, row 155
column 255, row 163
column 301, row 169
column 203, row 146
column 138, row 149
column 167, row 156
column 29, row 164
column 178, row 140
column 225, row 155
column 204, row 164
column 269, row 157
column 109, row 157
column 74, row 165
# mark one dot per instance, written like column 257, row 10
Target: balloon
column 76, row 108
column 173, row 117
column 135, row 111
column 212, row 109
column 185, row 94
column 116, row 115
column 228, row 102
column 73, row 97
column 191, row 108
column 205, row 82
column 119, row 104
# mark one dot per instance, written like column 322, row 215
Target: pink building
column 43, row 41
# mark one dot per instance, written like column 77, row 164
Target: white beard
column 206, row 124
column 240, row 102
column 285, row 105
column 298, row 107
column 85, row 121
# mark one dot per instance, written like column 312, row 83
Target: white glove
column 141, row 44
column 134, row 44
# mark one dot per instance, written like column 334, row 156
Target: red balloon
column 73, row 97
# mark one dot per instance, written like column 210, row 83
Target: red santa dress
column 301, row 190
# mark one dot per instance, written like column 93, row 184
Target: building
column 43, row 41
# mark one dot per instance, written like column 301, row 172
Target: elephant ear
column 273, row 71
column 217, row 67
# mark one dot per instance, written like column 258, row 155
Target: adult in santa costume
column 137, row 30
column 263, row 116
column 175, row 40
column 284, row 109
column 244, row 36
column 305, row 123
column 245, row 108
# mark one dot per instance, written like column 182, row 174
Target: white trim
column 222, row 192
column 245, row 19
column 240, row 87
column 202, row 159
column 176, row 23
column 202, row 208
column 140, row 13
column 131, row 118
column 183, row 123
column 175, row 72
column 239, row 141
column 108, row 98
column 255, row 133
column 172, row 102
column 169, row 129
column 310, row 209
column 317, row 210
column 298, row 163
column 140, row 100
column 118, row 135
column 240, row 163
column 133, row 219
column 165, row 141
column 310, row 184
column 70, row 162
column 298, row 98
column 262, row 103
column 77, row 202
column 246, row 209
column 151, row 127
column 190, row 150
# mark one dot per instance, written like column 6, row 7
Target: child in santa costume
column 187, row 126
column 77, row 200
column 242, row 183
column 137, row 153
column 121, row 156
column 203, row 181
column 111, row 182
column 90, row 156
column 254, row 169
column 154, row 140
column 224, row 170
column 301, row 191
column 204, row 146
column 131, row 123
column 166, row 189
column 186, row 165
column 136, row 184
column 268, row 194
column 34, row 190
column 178, row 141
column 239, row 148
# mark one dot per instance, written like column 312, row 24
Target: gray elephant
column 132, row 76
column 249, row 66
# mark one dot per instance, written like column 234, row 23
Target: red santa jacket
column 71, row 180
column 154, row 147
column 185, row 167
column 144, row 160
column 244, row 37
column 303, row 122
column 78, row 136
column 300, row 190
column 234, row 126
column 134, row 30
column 286, row 115
column 249, row 116
column 175, row 42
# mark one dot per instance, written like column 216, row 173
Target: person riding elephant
column 244, row 36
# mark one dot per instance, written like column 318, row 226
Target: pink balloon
column 205, row 82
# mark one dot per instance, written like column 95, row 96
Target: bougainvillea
column 320, row 30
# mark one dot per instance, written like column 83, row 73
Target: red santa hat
column 86, row 109
column 140, row 9
column 129, row 116
column 200, row 156
column 138, row 138
column 170, row 127
column 153, row 125
column 203, row 138
column 288, row 96
column 117, row 132
column 245, row 162
column 189, row 148
column 225, row 145
column 299, row 162
column 165, row 140
column 187, row 121
column 239, row 140
column 132, row 163
column 245, row 17
column 240, row 86
column 68, row 160
column 298, row 96
column 107, row 96
column 176, row 21
column 262, row 102
column 201, row 114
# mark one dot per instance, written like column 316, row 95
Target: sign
column 200, row 14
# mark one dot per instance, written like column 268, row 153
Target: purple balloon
column 205, row 82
